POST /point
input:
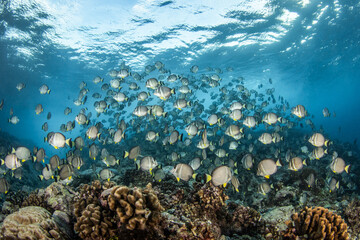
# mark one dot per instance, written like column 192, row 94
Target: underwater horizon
column 293, row 67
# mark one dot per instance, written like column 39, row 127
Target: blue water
column 310, row 50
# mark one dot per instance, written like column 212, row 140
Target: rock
column 278, row 216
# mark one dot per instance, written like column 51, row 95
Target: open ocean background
column 310, row 49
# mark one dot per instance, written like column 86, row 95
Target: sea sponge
column 135, row 208
column 318, row 223
column 30, row 223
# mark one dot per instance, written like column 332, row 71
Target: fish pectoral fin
column 267, row 176
column 178, row 179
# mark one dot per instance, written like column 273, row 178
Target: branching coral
column 104, row 212
column 92, row 221
column 30, row 223
column 95, row 223
column 134, row 208
column 89, row 194
column 317, row 223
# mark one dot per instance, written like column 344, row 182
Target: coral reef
column 95, row 223
column 352, row 216
column 135, row 209
column 244, row 220
column 89, row 194
column 30, row 223
column 204, row 214
column 278, row 216
column 13, row 201
column 36, row 199
column 55, row 197
column 102, row 212
column 316, row 223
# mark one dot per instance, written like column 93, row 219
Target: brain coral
column 30, row 223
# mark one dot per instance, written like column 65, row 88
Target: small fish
column 22, row 153
column 247, row 161
column 318, row 140
column 299, row 111
column 194, row 69
column 47, row 173
column 267, row 167
column 333, row 185
column 76, row 162
column 39, row 109
column 195, row 163
column 213, row 119
column 111, row 161
column 147, row 163
column 220, row 176
column 326, row 112
column 338, row 166
column 20, row 86
column 264, row 188
column 271, row 118
column 11, row 161
column 66, row 172
column 236, row 115
column 93, row 151
column 310, row 180
column 79, row 143
column 92, row 133
column 67, row 111
column 4, row 186
column 235, row 182
column 45, row 127
column 97, row 79
column 40, row 155
column 44, row 89
column 164, row 92
column 134, row 153
column 174, row 137
column 118, row 136
column 141, row 111
column 58, row 140
column 106, row 174
column 183, row 171
column 54, row 162
column 151, row 136
column 14, row 120
column 296, row 163
column 266, row 138
column 82, row 119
